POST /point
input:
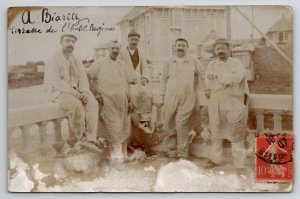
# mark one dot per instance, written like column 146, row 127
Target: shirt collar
column 111, row 60
column 131, row 51
column 185, row 59
column 64, row 58
column 223, row 62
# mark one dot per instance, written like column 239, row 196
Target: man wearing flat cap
column 136, row 65
column 67, row 84
column 227, row 90
column 134, row 58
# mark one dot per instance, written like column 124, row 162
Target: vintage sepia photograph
column 150, row 98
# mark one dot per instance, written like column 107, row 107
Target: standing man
column 179, row 86
column 67, row 84
column 112, row 80
column 134, row 59
column 136, row 64
column 227, row 90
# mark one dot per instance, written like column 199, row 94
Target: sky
column 35, row 47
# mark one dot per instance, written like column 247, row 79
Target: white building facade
column 160, row 26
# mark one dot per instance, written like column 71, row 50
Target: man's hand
column 99, row 99
column 79, row 96
column 133, row 81
column 84, row 98
column 207, row 93
column 130, row 107
column 144, row 81
column 212, row 77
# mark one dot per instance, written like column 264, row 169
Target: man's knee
column 76, row 104
column 237, row 118
column 69, row 102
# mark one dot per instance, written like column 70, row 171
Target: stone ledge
column 33, row 114
column 49, row 111
column 271, row 102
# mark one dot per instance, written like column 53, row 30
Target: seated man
column 67, row 85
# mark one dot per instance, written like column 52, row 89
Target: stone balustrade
column 40, row 115
column 25, row 117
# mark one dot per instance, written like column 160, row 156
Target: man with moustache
column 67, row 84
column 227, row 90
column 179, row 86
column 110, row 76
column 134, row 59
column 136, row 64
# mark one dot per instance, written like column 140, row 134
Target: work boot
column 95, row 146
column 210, row 164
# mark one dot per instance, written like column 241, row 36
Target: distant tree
column 30, row 64
column 38, row 63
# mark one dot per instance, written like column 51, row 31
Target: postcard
column 150, row 99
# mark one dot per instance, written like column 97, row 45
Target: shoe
column 210, row 164
column 91, row 145
column 172, row 154
column 145, row 129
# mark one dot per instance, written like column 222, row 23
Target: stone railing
column 41, row 115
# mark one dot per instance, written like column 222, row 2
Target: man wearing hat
column 67, row 84
column 136, row 64
column 133, row 57
column 179, row 86
column 227, row 90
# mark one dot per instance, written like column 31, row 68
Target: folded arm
column 234, row 76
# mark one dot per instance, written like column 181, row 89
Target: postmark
column 274, row 157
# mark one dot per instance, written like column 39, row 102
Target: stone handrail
column 42, row 114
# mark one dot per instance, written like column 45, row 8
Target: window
column 194, row 12
column 280, row 36
column 286, row 36
column 187, row 12
column 165, row 12
column 159, row 12
column 176, row 18
column 200, row 12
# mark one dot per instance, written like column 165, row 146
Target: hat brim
column 69, row 35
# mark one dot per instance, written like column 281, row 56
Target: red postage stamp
column 274, row 158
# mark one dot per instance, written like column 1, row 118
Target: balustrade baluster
column 44, row 145
column 25, row 132
column 71, row 140
column 58, row 141
column 277, row 121
column 260, row 124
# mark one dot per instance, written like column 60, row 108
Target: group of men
column 114, row 77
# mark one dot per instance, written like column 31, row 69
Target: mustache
column 221, row 54
column 180, row 50
column 70, row 47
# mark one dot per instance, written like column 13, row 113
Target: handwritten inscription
column 63, row 22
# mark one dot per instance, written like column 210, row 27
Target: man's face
column 222, row 51
column 133, row 41
column 181, row 48
column 68, row 43
column 113, row 50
